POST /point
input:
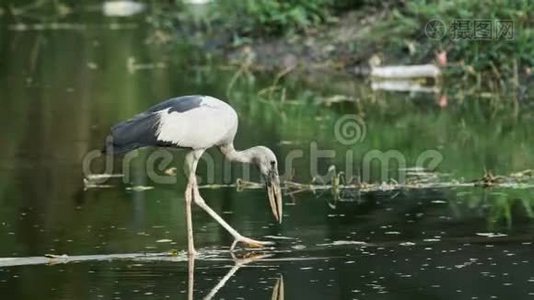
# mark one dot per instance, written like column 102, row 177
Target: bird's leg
column 190, row 279
column 191, row 161
column 237, row 236
column 189, row 219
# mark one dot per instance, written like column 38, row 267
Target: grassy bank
column 479, row 47
column 345, row 35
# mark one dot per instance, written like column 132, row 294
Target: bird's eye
column 273, row 163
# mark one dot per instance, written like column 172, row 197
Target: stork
column 197, row 123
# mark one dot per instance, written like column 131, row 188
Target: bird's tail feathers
column 113, row 148
column 140, row 131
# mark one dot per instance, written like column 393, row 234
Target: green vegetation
column 498, row 58
column 396, row 32
column 272, row 16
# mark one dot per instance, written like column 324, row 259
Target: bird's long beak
column 275, row 195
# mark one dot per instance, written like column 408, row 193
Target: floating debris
column 523, row 174
column 164, row 241
column 278, row 237
column 133, row 66
column 415, row 78
column 299, row 247
column 343, row 243
column 171, row 171
column 403, row 86
column 87, row 184
column 281, row 143
column 243, row 184
column 56, row 259
column 64, row 256
column 122, row 8
column 431, row 180
column 467, row 263
column 491, row 234
column 46, row 26
column 197, row 2
column 139, row 188
column 103, row 176
column 403, row 72
column 92, row 65
column 340, row 186
column 67, row 26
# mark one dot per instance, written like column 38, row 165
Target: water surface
column 62, row 90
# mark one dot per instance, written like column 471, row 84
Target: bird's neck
column 232, row 154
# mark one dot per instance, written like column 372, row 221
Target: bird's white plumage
column 214, row 122
column 197, row 122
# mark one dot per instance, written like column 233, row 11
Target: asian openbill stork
column 197, row 123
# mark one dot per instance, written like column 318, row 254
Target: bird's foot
column 251, row 243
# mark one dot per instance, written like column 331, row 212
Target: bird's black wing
column 179, row 104
column 141, row 130
column 137, row 132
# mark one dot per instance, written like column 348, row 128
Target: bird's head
column 267, row 163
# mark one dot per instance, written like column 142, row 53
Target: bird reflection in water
column 278, row 289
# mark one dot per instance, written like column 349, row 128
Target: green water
column 61, row 90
